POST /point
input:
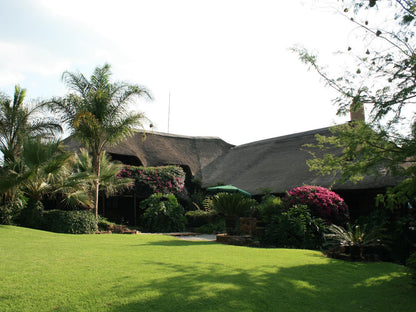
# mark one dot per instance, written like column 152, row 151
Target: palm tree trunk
column 97, row 169
column 96, row 197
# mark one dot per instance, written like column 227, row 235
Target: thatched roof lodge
column 158, row 149
column 276, row 164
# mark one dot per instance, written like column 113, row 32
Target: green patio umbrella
column 227, row 189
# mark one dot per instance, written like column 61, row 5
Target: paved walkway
column 194, row 237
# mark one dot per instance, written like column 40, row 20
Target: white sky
column 226, row 63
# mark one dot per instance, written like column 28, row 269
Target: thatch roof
column 278, row 164
column 158, row 149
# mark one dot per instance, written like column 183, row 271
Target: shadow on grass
column 336, row 286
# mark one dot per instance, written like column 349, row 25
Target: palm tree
column 97, row 113
column 19, row 121
column 232, row 206
column 110, row 183
column 43, row 168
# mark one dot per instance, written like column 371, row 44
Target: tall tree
column 383, row 81
column 19, row 121
column 96, row 111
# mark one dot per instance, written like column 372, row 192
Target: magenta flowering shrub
column 322, row 202
column 163, row 180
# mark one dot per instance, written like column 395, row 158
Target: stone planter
column 248, row 225
column 244, row 240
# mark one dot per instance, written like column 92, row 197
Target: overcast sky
column 226, row 64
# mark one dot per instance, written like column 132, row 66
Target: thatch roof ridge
column 181, row 136
column 286, row 137
column 278, row 164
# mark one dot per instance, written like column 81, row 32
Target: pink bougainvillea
column 164, row 180
column 322, row 202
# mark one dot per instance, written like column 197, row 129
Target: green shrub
column 411, row 265
column 216, row 226
column 269, row 207
column 399, row 227
column 74, row 222
column 32, row 215
column 197, row 218
column 10, row 209
column 163, row 214
column 232, row 206
column 355, row 239
column 105, row 225
column 295, row 228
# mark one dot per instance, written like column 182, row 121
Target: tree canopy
column 383, row 82
column 19, row 121
column 97, row 112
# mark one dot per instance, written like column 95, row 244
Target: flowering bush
column 164, row 180
column 322, row 202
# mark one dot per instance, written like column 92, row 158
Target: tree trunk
column 97, row 169
column 97, row 192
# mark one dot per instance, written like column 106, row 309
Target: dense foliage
column 322, row 203
column 73, row 222
column 163, row 214
column 295, row 228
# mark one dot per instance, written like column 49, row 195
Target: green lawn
column 41, row 271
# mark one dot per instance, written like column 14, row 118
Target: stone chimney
column 358, row 114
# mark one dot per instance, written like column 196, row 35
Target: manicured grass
column 41, row 271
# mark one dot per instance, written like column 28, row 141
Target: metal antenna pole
column 169, row 113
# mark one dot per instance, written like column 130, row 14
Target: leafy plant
column 269, row 207
column 232, row 206
column 296, row 228
column 354, row 239
column 322, row 202
column 163, row 214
